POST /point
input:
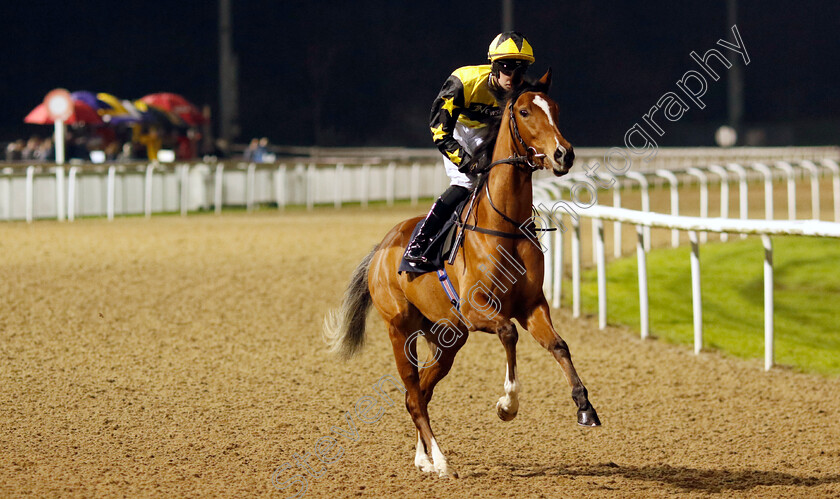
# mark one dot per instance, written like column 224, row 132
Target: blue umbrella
column 90, row 99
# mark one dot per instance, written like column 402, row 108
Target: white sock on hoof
column 440, row 461
column 510, row 401
column 421, row 459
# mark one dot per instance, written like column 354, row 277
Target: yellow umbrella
column 115, row 107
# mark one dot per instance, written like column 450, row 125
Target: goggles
column 510, row 66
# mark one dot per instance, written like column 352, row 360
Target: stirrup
column 415, row 246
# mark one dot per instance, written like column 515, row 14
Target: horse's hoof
column 424, row 466
column 448, row 474
column 588, row 417
column 503, row 414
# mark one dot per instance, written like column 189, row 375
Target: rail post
column 250, row 186
column 643, row 183
column 769, row 351
column 185, row 189
column 390, row 179
column 415, row 183
column 218, row 188
column 743, row 201
column 598, row 230
column 696, row 295
column 7, row 198
column 641, row 261
column 30, row 193
column 703, row 179
column 552, row 191
column 111, row 191
column 364, row 180
column 675, row 201
column 548, row 264
column 310, row 186
column 339, row 185
column 575, row 268
column 147, row 190
column 59, row 192
column 835, row 183
column 280, row 186
column 791, row 187
column 617, row 225
column 724, row 195
column 71, row 193
column 557, row 284
column 768, row 188
column 815, row 187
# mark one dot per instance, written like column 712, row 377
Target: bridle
column 530, row 153
column 516, row 159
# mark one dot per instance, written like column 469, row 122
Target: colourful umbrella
column 156, row 115
column 82, row 113
column 88, row 98
column 114, row 110
column 177, row 105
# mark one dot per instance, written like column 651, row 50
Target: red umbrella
column 82, row 113
column 177, row 105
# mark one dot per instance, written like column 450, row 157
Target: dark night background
column 365, row 73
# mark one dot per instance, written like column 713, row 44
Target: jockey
column 463, row 107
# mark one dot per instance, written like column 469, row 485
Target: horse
column 499, row 272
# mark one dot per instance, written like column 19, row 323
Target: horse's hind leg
column 422, row 461
column 539, row 325
column 435, row 370
column 400, row 329
column 432, row 372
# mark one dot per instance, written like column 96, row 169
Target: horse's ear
column 546, row 78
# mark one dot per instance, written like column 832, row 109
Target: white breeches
column 469, row 139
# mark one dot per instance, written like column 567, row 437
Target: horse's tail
column 344, row 329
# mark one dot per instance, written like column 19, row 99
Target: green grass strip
column 807, row 298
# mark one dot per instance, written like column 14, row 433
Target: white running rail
column 694, row 225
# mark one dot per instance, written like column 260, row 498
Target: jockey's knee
column 454, row 195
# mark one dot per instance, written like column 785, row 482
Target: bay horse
column 528, row 139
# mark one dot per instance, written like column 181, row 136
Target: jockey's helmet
column 510, row 45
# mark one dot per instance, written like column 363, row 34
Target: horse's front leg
column 539, row 324
column 508, row 405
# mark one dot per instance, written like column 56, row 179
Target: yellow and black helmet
column 510, row 45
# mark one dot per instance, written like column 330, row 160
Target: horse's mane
column 483, row 154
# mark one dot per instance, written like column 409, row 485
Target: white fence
column 791, row 171
column 548, row 192
column 327, row 176
column 50, row 191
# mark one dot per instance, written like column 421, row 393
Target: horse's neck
column 509, row 186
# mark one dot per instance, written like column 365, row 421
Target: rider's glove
column 467, row 163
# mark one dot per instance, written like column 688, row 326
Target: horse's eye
column 523, row 113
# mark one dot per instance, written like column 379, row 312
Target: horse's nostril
column 558, row 155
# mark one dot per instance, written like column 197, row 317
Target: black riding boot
column 440, row 212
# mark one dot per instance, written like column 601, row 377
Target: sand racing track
column 182, row 357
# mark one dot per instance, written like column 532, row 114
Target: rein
column 527, row 159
